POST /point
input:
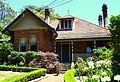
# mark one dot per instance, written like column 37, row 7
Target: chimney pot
column 105, row 18
column 47, row 15
column 100, row 20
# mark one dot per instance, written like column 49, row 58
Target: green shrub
column 5, row 50
column 69, row 76
column 29, row 56
column 16, row 58
column 32, row 73
column 114, row 28
column 103, row 53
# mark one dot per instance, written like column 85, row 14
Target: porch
column 69, row 51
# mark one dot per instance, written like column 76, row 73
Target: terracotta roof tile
column 81, row 29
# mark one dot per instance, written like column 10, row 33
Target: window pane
column 33, row 40
column 22, row 48
column 62, row 24
column 88, row 50
column 70, row 23
column 22, row 44
column 33, row 45
column 22, row 40
column 66, row 24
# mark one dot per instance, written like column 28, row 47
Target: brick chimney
column 47, row 15
column 100, row 20
column 105, row 17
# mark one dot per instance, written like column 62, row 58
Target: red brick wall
column 42, row 35
column 79, row 47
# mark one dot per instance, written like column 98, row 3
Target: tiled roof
column 81, row 29
column 67, row 17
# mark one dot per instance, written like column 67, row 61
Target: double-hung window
column 33, row 44
column 22, row 44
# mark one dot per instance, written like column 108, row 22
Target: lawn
column 6, row 74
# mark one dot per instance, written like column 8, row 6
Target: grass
column 7, row 74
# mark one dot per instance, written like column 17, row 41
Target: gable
column 27, row 22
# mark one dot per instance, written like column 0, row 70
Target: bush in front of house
column 69, row 75
column 32, row 73
column 48, row 61
column 94, row 70
column 5, row 50
column 103, row 53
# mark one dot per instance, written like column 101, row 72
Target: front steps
column 65, row 67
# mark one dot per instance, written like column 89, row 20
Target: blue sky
column 84, row 9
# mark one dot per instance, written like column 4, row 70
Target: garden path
column 51, row 78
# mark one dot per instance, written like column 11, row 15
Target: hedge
column 15, row 68
column 69, row 76
column 38, row 72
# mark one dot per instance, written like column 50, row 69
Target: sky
column 88, row 10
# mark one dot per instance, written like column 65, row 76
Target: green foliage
column 93, row 66
column 16, row 58
column 7, row 13
column 114, row 27
column 10, row 57
column 69, row 76
column 29, row 56
column 103, row 53
column 40, row 12
column 3, row 36
column 5, row 50
column 35, row 73
column 21, row 58
column 18, row 69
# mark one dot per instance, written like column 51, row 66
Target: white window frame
column 67, row 24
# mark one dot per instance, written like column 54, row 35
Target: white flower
column 86, row 68
column 117, row 77
column 91, row 65
column 72, row 65
column 104, row 73
column 83, row 78
column 95, row 77
column 106, row 78
column 108, row 62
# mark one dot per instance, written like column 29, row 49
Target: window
column 22, row 44
column 66, row 24
column 33, row 45
column 88, row 49
column 89, row 46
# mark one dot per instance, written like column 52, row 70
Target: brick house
column 68, row 36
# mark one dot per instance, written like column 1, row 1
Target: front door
column 66, row 51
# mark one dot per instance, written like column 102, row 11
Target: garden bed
column 32, row 73
column 7, row 74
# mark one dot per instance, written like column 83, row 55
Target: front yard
column 7, row 74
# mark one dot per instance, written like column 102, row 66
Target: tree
column 114, row 28
column 7, row 14
column 40, row 12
